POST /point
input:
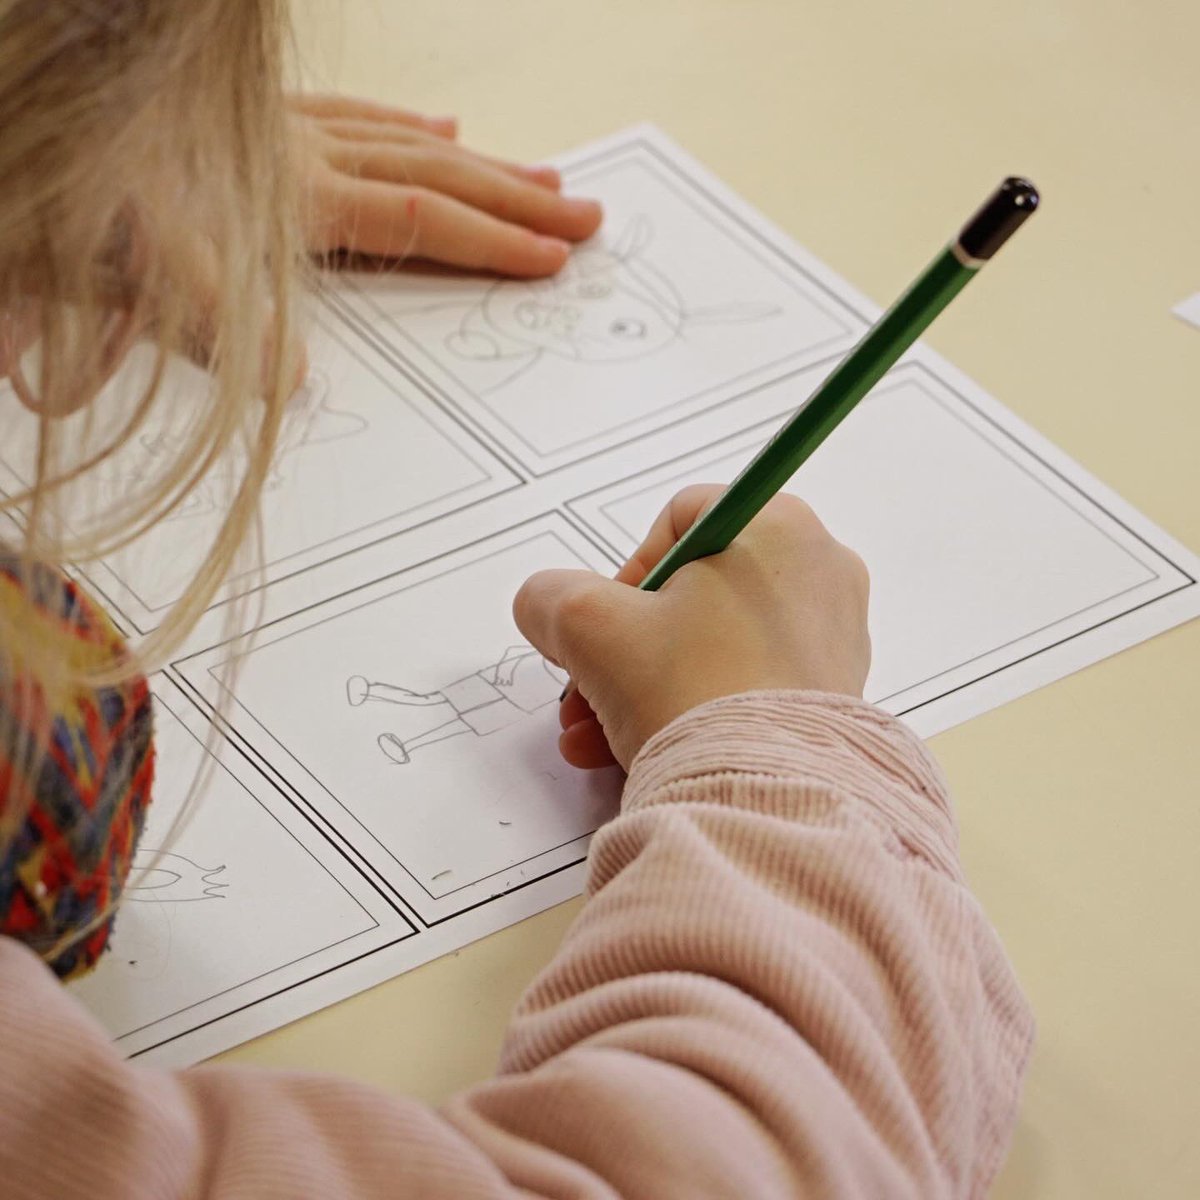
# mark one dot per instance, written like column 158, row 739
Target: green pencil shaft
column 850, row 381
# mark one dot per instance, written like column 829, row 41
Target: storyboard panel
column 233, row 899
column 361, row 454
column 414, row 719
column 682, row 301
column 982, row 553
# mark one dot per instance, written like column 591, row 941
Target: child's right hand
column 785, row 606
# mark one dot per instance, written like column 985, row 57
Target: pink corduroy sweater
column 780, row 986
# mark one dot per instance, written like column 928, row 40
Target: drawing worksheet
column 385, row 785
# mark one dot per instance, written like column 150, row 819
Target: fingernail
column 444, row 124
column 544, row 175
column 553, row 245
column 582, row 207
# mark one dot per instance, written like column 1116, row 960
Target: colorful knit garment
column 82, row 772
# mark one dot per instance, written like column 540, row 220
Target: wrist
column 793, row 746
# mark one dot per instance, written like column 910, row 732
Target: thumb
column 576, row 617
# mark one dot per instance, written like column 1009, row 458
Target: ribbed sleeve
column 779, row 987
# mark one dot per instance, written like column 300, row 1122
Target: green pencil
column 1013, row 201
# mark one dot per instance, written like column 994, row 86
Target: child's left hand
column 382, row 181
column 374, row 180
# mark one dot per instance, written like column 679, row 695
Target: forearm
column 779, row 981
column 779, row 986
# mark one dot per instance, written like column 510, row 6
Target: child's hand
column 382, row 181
column 374, row 180
column 784, row 607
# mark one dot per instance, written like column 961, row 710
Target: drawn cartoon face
column 608, row 304
column 598, row 309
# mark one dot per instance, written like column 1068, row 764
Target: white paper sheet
column 358, row 459
column 389, row 788
column 1189, row 310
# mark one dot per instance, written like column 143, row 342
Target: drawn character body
column 159, row 877
column 144, row 934
column 481, row 703
column 606, row 305
column 310, row 420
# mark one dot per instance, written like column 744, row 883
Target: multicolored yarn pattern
column 83, row 769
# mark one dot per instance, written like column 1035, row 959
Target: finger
column 584, row 745
column 682, row 511
column 198, row 270
column 351, row 108
column 474, row 182
column 569, row 615
column 573, row 708
column 370, row 217
column 354, row 130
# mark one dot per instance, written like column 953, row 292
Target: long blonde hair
column 146, row 197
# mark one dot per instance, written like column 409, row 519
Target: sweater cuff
column 776, row 752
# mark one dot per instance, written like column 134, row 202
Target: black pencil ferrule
column 1002, row 213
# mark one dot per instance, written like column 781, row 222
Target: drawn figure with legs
column 608, row 304
column 486, row 701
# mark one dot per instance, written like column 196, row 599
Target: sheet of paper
column 407, row 463
column 239, row 902
column 388, row 788
column 1189, row 310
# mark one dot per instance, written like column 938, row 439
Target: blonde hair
column 146, row 197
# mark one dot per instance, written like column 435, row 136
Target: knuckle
column 580, row 613
column 416, row 219
column 856, row 571
column 583, row 628
column 416, row 201
column 788, row 518
column 789, row 508
column 698, row 491
column 503, row 197
column 523, row 605
column 440, row 163
column 530, row 600
column 691, row 502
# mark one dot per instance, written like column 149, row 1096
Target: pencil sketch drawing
column 482, row 703
column 158, row 876
column 608, row 304
column 310, row 420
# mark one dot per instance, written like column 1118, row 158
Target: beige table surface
column 866, row 130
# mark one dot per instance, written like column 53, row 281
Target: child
column 779, row 984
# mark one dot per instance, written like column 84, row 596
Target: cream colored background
column 867, row 130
